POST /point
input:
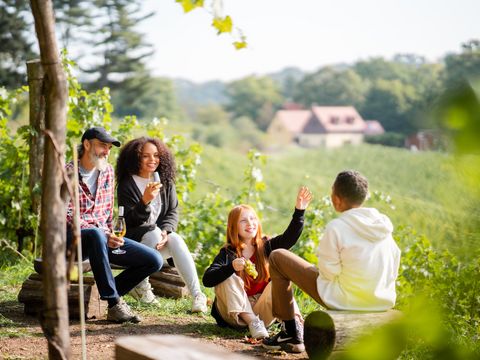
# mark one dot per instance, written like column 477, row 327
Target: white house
column 321, row 126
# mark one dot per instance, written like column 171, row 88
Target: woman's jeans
column 139, row 260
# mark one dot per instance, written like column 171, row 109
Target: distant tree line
column 404, row 93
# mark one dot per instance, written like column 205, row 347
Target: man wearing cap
column 96, row 190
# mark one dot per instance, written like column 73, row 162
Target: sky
column 307, row 34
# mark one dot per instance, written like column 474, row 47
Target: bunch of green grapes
column 250, row 269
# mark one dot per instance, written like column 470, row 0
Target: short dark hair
column 351, row 186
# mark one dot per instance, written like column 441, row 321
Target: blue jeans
column 139, row 260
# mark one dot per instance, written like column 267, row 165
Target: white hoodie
column 358, row 262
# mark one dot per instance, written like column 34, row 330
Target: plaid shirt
column 95, row 211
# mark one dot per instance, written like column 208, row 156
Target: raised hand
column 304, row 197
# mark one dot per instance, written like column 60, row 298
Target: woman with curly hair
column 151, row 211
column 239, row 273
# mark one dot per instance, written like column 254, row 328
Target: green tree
column 464, row 67
column 121, row 49
column 415, row 87
column 212, row 115
column 390, row 101
column 16, row 42
column 330, row 86
column 73, row 20
column 155, row 98
column 247, row 96
column 380, row 68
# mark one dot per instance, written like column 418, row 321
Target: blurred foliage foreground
column 439, row 295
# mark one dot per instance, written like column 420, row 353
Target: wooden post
column 54, row 319
column 36, row 76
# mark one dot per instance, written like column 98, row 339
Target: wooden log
column 166, row 289
column 167, row 347
column 37, row 266
column 327, row 331
column 169, row 275
column 350, row 325
column 168, row 283
column 31, row 295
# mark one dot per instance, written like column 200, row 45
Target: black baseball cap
column 101, row 134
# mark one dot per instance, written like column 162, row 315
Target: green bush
column 387, row 139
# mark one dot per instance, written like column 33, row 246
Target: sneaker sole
column 272, row 347
column 132, row 321
column 295, row 348
column 288, row 347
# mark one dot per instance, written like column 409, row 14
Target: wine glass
column 155, row 178
column 119, row 229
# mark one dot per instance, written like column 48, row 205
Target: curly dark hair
column 351, row 186
column 128, row 162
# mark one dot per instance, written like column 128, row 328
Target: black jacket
column 222, row 268
column 136, row 212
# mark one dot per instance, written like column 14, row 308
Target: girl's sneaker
column 199, row 304
column 257, row 329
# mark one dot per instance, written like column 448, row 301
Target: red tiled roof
column 294, row 120
column 339, row 118
column 373, row 127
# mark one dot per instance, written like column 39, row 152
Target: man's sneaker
column 121, row 313
column 284, row 341
column 257, row 329
column 143, row 293
column 199, row 303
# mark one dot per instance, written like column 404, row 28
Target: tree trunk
column 54, row 319
column 37, row 122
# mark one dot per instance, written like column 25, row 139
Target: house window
column 350, row 119
column 334, row 119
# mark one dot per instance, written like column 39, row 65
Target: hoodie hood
column 368, row 223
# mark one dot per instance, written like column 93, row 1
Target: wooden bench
column 31, row 295
column 166, row 282
column 167, row 347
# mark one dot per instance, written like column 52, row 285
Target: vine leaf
column 223, row 25
column 189, row 5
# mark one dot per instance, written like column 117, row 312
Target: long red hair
column 234, row 241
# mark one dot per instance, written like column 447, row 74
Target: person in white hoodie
column 358, row 263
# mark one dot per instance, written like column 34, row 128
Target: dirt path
column 23, row 338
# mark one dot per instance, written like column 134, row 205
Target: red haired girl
column 242, row 297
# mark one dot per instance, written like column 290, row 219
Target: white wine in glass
column 119, row 229
column 154, row 178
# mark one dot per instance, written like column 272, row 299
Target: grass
column 428, row 193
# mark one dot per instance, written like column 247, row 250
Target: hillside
column 424, row 189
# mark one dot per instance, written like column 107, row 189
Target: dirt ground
column 26, row 340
